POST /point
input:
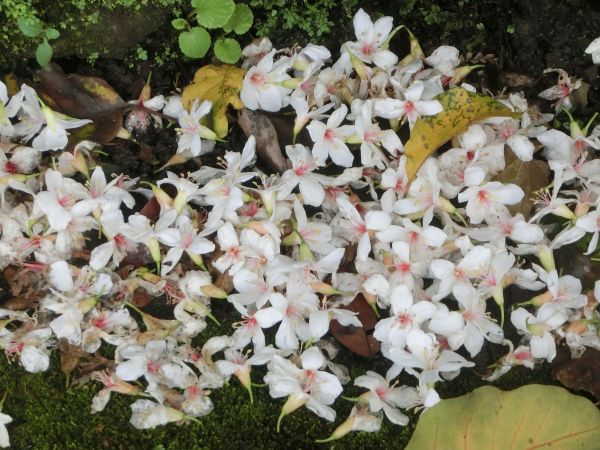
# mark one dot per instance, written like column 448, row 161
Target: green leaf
column 228, row 50
column 52, row 33
column 31, row 27
column 213, row 13
column 240, row 21
column 179, row 23
column 461, row 108
column 531, row 417
column 194, row 43
column 43, row 54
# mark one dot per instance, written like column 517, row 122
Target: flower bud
column 546, row 258
column 213, row 291
column 243, row 375
column 359, row 66
column 564, row 211
column 87, row 304
column 293, row 402
column 542, row 299
column 345, row 427
column 324, row 288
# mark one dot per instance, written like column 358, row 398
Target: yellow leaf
column 221, row 85
column 461, row 108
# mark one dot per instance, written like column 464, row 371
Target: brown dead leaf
column 21, row 302
column 69, row 356
column 354, row 338
column 25, row 285
column 267, row 144
column 581, row 374
column 147, row 155
column 77, row 95
column 528, row 175
column 141, row 298
column 103, row 129
column 83, row 97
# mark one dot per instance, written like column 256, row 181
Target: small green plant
column 34, row 28
column 195, row 41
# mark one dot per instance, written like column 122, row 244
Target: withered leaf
column 581, row 374
column 267, row 144
column 69, row 356
column 354, row 338
column 83, row 97
column 529, row 176
column 77, row 95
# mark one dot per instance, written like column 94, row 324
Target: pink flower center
column 367, row 49
column 409, row 107
column 469, row 315
column 329, row 135
column 257, row 79
column 100, row 322
column 400, row 186
column 403, row 267
column 370, row 136
column 302, row 169
column 404, row 319
column 249, row 209
column 359, row 228
column 120, row 241
column 186, row 240
column 64, row 201
column 152, row 367
column 381, row 391
column 10, row 168
column 483, row 197
column 521, row 356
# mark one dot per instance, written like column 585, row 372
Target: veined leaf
column 241, row 20
column 213, row 13
column 195, row 42
column 43, row 53
column 461, row 108
column 227, row 50
column 221, row 85
column 531, row 417
column 30, row 27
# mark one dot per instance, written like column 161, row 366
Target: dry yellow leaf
column 461, row 108
column 221, row 85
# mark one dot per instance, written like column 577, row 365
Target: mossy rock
column 88, row 28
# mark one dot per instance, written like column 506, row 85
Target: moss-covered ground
column 47, row 415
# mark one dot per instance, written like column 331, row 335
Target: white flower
column 370, row 40
column 5, row 419
column 483, row 201
column 302, row 174
column 304, row 386
column 382, row 396
column 548, row 318
column 594, row 50
column 148, row 414
column 262, row 88
column 192, row 131
column 329, row 140
column 411, row 108
column 423, row 352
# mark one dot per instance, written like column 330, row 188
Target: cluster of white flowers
column 301, row 246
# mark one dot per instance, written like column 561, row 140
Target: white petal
column 60, row 276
